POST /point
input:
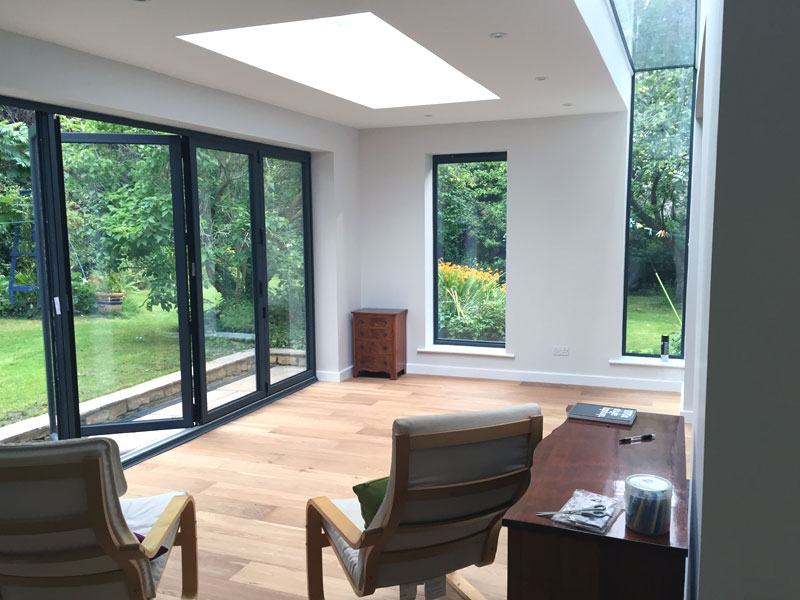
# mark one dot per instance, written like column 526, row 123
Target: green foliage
column 224, row 196
column 661, row 154
column 119, row 214
column 120, row 220
column 472, row 213
column 15, row 162
column 285, row 253
column 658, row 33
column 25, row 306
column 235, row 317
column 472, row 303
column 84, row 302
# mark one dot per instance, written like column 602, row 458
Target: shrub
column 285, row 331
column 26, row 304
column 84, row 301
column 472, row 303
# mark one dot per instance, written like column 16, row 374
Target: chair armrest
column 155, row 538
column 334, row 517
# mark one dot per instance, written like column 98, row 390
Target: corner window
column 658, row 210
column 659, row 37
column 469, row 220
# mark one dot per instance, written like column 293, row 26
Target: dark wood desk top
column 587, row 455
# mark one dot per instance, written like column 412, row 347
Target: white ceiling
column 545, row 37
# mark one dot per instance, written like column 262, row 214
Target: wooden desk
column 551, row 561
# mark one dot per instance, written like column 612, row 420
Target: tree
column 472, row 213
column 661, row 155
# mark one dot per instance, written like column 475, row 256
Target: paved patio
column 218, row 395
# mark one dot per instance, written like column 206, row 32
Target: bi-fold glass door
column 227, row 282
column 251, row 238
column 175, row 279
column 123, row 224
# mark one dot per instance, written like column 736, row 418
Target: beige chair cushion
column 350, row 556
column 140, row 515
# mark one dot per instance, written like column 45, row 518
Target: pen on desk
column 638, row 438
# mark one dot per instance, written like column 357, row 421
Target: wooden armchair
column 452, row 479
column 66, row 534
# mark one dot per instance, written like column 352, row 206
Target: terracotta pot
column 109, row 302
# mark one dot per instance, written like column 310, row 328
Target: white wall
column 36, row 70
column 566, row 233
column 746, row 442
column 602, row 24
column 699, row 273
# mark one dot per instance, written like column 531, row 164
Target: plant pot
column 109, row 302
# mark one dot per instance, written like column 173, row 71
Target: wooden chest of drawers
column 379, row 341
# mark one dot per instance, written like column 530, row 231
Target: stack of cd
column 648, row 504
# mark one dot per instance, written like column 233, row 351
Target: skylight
column 357, row 57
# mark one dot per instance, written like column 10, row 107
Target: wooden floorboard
column 252, row 477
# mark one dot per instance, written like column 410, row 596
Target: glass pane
column 658, row 33
column 283, row 187
column 223, row 185
column 122, row 259
column 657, row 216
column 471, row 251
column 23, row 385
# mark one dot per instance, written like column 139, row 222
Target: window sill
column 647, row 361
column 465, row 351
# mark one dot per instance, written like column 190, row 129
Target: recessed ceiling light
column 428, row 116
column 540, row 77
column 498, row 35
column 357, row 57
column 567, row 104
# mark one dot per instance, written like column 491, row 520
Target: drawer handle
column 362, row 346
column 361, row 321
column 361, row 333
column 384, row 334
column 385, row 347
column 385, row 363
column 384, row 322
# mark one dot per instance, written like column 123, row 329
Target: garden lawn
column 650, row 317
column 114, row 352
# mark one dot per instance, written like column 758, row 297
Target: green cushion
column 370, row 495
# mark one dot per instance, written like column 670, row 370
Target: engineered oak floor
column 252, row 477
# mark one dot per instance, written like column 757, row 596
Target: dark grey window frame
column 629, row 196
column 443, row 159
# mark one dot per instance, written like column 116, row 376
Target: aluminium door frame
column 190, row 145
column 178, row 220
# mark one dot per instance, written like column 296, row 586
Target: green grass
column 113, row 352
column 649, row 317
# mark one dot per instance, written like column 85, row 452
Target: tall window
column 469, row 194
column 659, row 37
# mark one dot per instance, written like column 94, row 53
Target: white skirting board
column 346, row 373
column 634, row 383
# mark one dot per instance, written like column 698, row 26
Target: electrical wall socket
column 560, row 350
